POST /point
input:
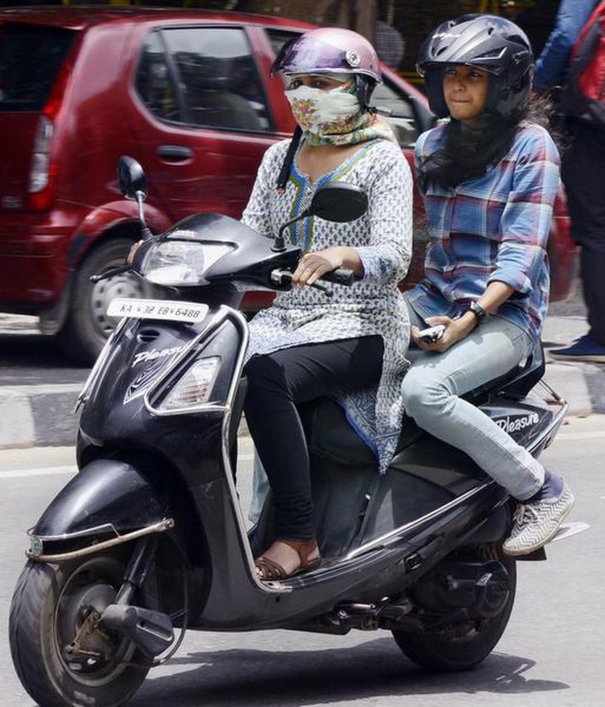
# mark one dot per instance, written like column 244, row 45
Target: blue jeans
column 431, row 390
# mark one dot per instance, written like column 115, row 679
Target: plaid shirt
column 494, row 227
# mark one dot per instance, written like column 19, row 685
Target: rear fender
column 109, row 502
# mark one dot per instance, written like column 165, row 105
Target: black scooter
column 149, row 536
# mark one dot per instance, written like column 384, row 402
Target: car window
column 219, row 79
column 278, row 38
column 30, row 59
column 154, row 82
column 402, row 119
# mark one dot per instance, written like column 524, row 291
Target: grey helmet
column 486, row 41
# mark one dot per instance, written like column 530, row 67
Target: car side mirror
column 131, row 178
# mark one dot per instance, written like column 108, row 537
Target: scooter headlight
column 181, row 263
column 194, row 388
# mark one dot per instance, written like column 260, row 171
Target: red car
column 187, row 94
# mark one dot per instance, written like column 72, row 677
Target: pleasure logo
column 157, row 360
column 518, row 423
column 155, row 354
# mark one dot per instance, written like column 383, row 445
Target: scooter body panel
column 432, row 497
column 107, row 497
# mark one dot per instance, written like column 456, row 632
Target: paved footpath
column 41, row 414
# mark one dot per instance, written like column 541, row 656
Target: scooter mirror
column 131, row 178
column 339, row 202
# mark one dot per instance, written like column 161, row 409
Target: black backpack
column 584, row 96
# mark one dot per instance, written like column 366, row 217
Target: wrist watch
column 478, row 311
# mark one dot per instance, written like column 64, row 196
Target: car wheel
column 88, row 326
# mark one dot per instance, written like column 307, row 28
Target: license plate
column 157, row 309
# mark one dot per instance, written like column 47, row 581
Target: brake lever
column 112, row 272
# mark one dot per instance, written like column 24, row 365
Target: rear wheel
column 463, row 644
column 88, row 326
column 60, row 654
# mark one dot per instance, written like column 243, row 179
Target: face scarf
column 334, row 117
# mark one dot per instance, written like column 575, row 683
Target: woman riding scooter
column 308, row 345
column 488, row 177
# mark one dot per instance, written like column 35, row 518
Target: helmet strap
column 284, row 172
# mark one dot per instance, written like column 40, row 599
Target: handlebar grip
column 340, row 276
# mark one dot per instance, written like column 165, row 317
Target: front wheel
column 464, row 644
column 61, row 656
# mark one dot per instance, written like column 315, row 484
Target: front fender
column 108, row 500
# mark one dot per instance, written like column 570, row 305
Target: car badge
column 353, row 58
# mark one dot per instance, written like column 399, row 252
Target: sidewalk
column 42, row 414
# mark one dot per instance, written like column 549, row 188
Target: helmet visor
column 303, row 55
column 422, row 68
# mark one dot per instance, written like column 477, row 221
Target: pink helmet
column 332, row 50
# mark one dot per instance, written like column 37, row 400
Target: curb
column 38, row 415
column 569, row 381
column 43, row 415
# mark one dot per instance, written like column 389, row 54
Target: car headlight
column 180, row 263
column 194, row 388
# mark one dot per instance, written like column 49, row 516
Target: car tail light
column 43, row 172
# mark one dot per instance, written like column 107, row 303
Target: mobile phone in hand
column 432, row 334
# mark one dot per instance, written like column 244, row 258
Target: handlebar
column 340, row 276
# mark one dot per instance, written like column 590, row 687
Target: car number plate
column 157, row 309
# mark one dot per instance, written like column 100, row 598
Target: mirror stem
column 145, row 232
column 279, row 245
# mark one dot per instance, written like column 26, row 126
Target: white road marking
column 246, row 443
column 49, row 471
column 580, row 435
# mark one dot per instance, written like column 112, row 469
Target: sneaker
column 536, row 522
column 584, row 349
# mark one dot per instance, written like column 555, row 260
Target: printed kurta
column 373, row 305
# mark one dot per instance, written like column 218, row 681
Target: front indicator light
column 195, row 387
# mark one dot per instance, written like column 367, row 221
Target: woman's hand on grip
column 313, row 265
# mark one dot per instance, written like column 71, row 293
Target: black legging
column 278, row 382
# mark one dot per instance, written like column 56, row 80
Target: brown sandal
column 269, row 570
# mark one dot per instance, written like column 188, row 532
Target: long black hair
column 469, row 154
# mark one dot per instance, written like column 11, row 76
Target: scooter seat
column 331, row 437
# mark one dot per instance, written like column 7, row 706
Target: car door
column 200, row 116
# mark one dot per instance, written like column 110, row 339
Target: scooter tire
column 456, row 649
column 47, row 605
